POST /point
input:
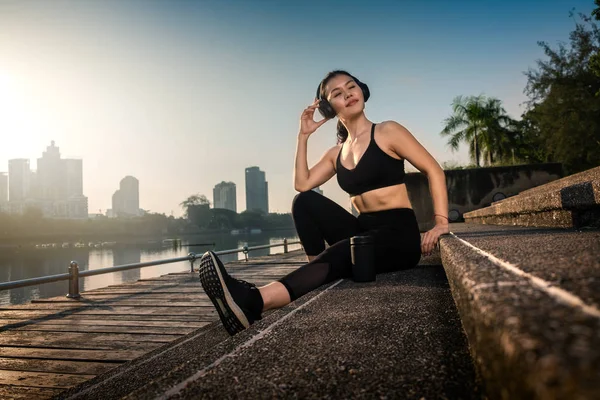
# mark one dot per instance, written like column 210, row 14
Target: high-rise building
column 224, row 196
column 118, row 204
column 58, row 179
column 19, row 175
column 34, row 191
column 126, row 200
column 74, row 177
column 257, row 190
column 3, row 187
column 51, row 174
column 56, row 188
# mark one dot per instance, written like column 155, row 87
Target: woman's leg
column 333, row 263
column 397, row 246
column 318, row 220
column 274, row 295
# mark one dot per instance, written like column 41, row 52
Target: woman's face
column 345, row 96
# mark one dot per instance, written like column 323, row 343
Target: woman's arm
column 321, row 172
column 406, row 146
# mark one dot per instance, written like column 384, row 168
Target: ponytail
column 342, row 132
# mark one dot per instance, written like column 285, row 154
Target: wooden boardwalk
column 52, row 344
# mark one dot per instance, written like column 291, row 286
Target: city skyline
column 125, row 201
column 55, row 187
column 192, row 93
column 127, row 209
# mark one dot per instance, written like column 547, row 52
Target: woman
column 369, row 162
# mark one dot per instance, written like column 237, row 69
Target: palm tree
column 482, row 123
column 498, row 134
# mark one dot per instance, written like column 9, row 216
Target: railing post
column 192, row 257
column 73, row 281
column 245, row 250
column 285, row 246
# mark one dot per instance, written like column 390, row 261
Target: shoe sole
column 214, row 286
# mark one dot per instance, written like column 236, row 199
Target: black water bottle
column 362, row 249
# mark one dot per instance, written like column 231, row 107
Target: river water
column 31, row 261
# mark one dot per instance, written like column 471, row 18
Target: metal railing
column 74, row 274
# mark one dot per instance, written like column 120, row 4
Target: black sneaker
column 238, row 302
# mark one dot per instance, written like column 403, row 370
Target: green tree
column 498, row 138
column 482, row 123
column 595, row 58
column 529, row 142
column 276, row 220
column 563, row 106
column 250, row 219
column 193, row 200
column 222, row 218
column 200, row 214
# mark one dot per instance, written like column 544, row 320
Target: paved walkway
column 398, row 337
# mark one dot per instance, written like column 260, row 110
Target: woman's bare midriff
column 382, row 199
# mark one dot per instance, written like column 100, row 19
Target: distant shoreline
column 31, row 240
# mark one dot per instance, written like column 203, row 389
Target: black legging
column 319, row 220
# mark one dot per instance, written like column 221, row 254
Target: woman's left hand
column 430, row 239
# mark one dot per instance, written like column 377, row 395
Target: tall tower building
column 117, row 203
column 56, row 188
column 51, row 174
column 224, row 196
column 257, row 190
column 19, row 175
column 34, row 191
column 73, row 169
column 3, row 187
column 126, row 200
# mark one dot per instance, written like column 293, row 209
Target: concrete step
column 581, row 177
column 529, row 301
column 573, row 201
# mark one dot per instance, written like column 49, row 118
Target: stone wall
column 472, row 189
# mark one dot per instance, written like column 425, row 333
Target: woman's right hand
column 307, row 123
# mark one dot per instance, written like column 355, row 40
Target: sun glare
column 20, row 128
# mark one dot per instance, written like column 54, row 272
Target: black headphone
column 325, row 108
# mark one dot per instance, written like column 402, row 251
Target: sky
column 186, row 94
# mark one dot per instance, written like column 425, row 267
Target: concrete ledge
column 573, row 201
column 580, row 177
column 549, row 218
column 529, row 307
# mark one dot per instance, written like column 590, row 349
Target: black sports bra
column 374, row 170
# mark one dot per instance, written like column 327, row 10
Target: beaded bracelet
column 439, row 215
